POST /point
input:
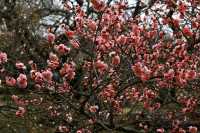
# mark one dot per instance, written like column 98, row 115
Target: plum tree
column 112, row 67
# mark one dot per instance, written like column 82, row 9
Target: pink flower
column 62, row 49
column 53, row 61
column 156, row 106
column 116, row 60
column 20, row 65
column 47, row 75
column 92, row 25
column 141, row 71
column 169, row 75
column 165, row 21
column 38, row 77
column 187, row 31
column 79, row 131
column 182, row 8
column 51, row 38
column 3, row 58
column 193, row 129
column 65, row 69
column 122, row 40
column 68, row 71
column 145, row 76
column 105, row 34
column 69, row 33
column 22, row 81
column 195, row 24
column 137, row 69
column 108, row 92
column 176, row 23
column 180, row 78
column 53, row 57
column 75, row 43
column 149, row 94
column 161, row 34
column 101, row 66
column 190, row 74
column 160, row 130
column 20, row 112
column 10, row 81
column 98, row 5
